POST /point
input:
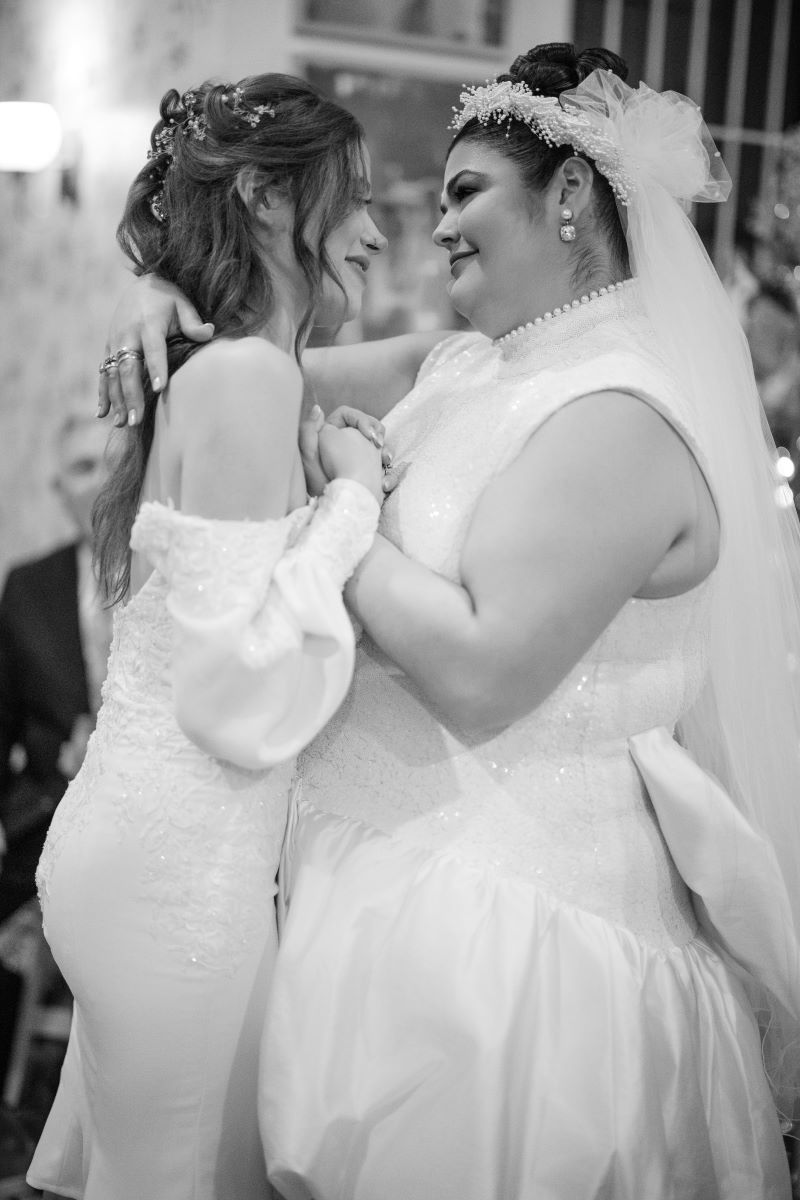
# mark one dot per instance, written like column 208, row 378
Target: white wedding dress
column 492, row 984
column 158, row 875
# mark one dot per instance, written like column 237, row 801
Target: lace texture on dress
column 342, row 530
column 209, row 832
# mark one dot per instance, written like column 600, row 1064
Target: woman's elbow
column 481, row 701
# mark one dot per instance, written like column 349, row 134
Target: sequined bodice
column 554, row 797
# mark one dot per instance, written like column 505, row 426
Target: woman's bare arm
column 582, row 520
column 370, row 376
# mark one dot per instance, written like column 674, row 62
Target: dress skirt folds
column 582, row 1064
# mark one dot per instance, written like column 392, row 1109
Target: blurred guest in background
column 54, row 642
column 772, row 325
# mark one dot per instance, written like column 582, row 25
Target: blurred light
column 784, row 496
column 781, row 212
column 30, row 135
column 785, row 467
column 796, row 271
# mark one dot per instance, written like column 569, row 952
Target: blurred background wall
column 104, row 64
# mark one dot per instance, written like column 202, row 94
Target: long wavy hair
column 185, row 221
column 549, row 70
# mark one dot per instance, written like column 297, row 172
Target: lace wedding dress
column 158, row 875
column 492, row 984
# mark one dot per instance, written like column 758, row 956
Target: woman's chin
column 460, row 300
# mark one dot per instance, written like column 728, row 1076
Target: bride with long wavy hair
column 231, row 648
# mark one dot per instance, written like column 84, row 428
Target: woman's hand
column 345, row 417
column 341, row 418
column 149, row 311
column 308, row 440
column 344, row 453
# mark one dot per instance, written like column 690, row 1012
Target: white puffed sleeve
column 263, row 647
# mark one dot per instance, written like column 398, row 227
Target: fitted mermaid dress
column 158, row 876
column 492, row 984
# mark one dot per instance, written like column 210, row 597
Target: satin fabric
column 738, row 891
column 565, row 1072
column 492, row 985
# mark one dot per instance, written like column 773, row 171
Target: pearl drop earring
column 567, row 230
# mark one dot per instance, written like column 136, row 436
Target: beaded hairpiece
column 252, row 113
column 194, row 124
column 550, row 119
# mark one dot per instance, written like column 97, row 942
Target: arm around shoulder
column 371, row 376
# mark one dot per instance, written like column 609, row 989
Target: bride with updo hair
column 539, row 892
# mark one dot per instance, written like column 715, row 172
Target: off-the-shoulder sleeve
column 263, row 648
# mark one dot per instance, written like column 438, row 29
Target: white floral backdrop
column 104, row 64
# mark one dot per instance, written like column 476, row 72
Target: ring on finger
column 107, row 364
column 128, row 352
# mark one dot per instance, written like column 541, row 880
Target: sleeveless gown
column 492, row 984
column 158, row 875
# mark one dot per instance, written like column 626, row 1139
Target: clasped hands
column 321, row 444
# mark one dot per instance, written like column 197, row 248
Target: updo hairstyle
column 549, row 70
column 186, row 222
column 184, row 219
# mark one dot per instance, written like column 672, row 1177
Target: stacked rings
column 113, row 361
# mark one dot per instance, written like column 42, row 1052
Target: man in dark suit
column 54, row 637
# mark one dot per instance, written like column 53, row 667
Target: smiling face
column 350, row 246
column 508, row 264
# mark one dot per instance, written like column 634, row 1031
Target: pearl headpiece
column 549, row 120
column 635, row 137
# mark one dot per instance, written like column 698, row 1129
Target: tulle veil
column 745, row 727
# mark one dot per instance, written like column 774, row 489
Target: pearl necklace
column 562, row 311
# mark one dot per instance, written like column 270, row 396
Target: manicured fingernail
column 157, row 384
column 100, row 411
column 133, row 417
column 377, row 438
column 119, row 419
column 316, row 412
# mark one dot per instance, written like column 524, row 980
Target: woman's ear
column 575, row 180
column 265, row 202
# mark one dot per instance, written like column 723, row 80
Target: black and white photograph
column 400, row 600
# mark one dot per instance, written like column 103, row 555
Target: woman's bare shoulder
column 239, row 357
column 237, row 375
